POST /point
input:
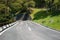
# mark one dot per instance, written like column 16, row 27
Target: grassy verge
column 51, row 20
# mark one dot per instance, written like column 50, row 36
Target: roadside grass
column 51, row 20
column 35, row 10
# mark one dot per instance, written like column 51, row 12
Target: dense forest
column 11, row 8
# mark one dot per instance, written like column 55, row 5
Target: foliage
column 53, row 5
column 40, row 3
column 9, row 8
column 50, row 19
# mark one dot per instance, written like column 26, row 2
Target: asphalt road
column 27, row 30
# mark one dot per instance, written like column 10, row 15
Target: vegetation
column 46, row 12
column 51, row 20
column 48, row 15
column 10, row 8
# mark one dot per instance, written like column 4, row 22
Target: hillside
column 51, row 20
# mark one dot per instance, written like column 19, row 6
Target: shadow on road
column 23, row 17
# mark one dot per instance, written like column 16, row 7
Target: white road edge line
column 45, row 27
column 8, row 29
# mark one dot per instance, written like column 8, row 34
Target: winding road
column 27, row 30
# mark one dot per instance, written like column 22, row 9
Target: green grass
column 35, row 10
column 47, row 19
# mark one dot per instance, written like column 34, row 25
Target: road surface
column 27, row 30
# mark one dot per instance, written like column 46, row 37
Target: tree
column 9, row 8
column 5, row 16
column 40, row 3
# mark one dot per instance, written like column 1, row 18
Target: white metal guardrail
column 6, row 26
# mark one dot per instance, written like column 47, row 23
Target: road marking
column 8, row 28
column 29, row 29
column 45, row 27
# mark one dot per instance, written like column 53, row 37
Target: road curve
column 27, row 30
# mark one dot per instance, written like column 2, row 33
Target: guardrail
column 6, row 26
